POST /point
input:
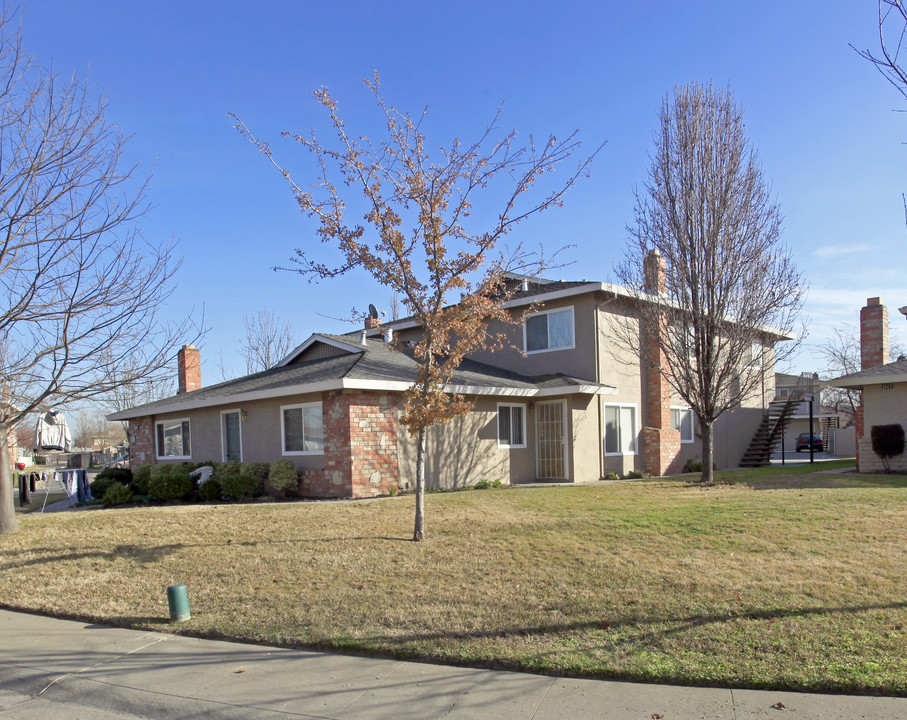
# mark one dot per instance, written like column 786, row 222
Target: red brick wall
column 189, row 368
column 873, row 334
column 360, row 447
column 660, row 443
column 141, row 442
column 662, row 451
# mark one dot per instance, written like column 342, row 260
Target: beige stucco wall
column 465, row 451
column 578, row 362
column 462, row 452
column 260, row 431
column 882, row 407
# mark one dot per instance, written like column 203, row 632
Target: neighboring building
column 883, row 385
column 808, row 386
column 567, row 402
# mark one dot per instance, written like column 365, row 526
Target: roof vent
column 524, row 286
column 362, row 338
column 388, row 335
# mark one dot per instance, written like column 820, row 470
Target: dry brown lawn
column 774, row 580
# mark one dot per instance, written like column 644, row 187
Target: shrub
column 612, row 476
column 100, row 485
column 633, row 475
column 121, row 475
column 283, row 478
column 258, row 470
column 117, row 494
column 224, row 470
column 141, row 476
column 210, row 489
column 169, row 482
column 887, row 441
column 486, row 484
column 692, row 466
column 235, row 483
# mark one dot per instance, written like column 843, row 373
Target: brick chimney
column 873, row 334
column 655, row 272
column 189, row 369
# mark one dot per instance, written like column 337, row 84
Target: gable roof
column 888, row 373
column 542, row 291
column 373, row 366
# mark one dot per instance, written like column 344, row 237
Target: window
column 549, row 330
column 173, row 439
column 231, row 435
column 753, row 357
column 511, row 426
column 302, row 429
column 682, row 419
column 620, row 429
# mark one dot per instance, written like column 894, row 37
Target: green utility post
column 178, row 600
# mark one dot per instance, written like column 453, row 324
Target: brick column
column 874, row 351
column 661, row 443
column 360, row 446
column 141, row 442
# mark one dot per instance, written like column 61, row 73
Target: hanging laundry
column 52, row 432
column 24, row 497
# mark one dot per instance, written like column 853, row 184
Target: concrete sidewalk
column 55, row 669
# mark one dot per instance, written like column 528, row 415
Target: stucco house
column 566, row 401
column 883, row 385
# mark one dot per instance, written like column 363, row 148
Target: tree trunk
column 708, row 451
column 8, row 523
column 419, row 531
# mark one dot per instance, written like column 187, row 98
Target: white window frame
column 755, row 354
column 223, row 432
column 283, row 432
column 572, row 344
column 172, row 421
column 636, row 420
column 682, row 409
column 511, row 406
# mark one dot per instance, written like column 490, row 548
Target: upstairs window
column 172, row 439
column 549, row 330
column 753, row 356
column 511, row 426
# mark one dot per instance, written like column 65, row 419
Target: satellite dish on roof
column 372, row 311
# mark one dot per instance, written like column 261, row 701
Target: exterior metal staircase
column 770, row 432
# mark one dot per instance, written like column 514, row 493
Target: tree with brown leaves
column 419, row 240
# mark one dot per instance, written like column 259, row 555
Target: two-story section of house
column 566, row 399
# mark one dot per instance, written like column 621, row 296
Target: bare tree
column 422, row 243
column 892, row 37
column 842, row 357
column 82, row 290
column 268, row 341
column 706, row 210
column 92, row 428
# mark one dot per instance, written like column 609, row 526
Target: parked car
column 803, row 442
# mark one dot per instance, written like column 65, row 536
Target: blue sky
column 825, row 123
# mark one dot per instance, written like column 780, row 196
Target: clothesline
column 74, row 483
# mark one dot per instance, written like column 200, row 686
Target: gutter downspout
column 598, row 401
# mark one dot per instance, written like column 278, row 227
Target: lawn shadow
column 639, row 626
